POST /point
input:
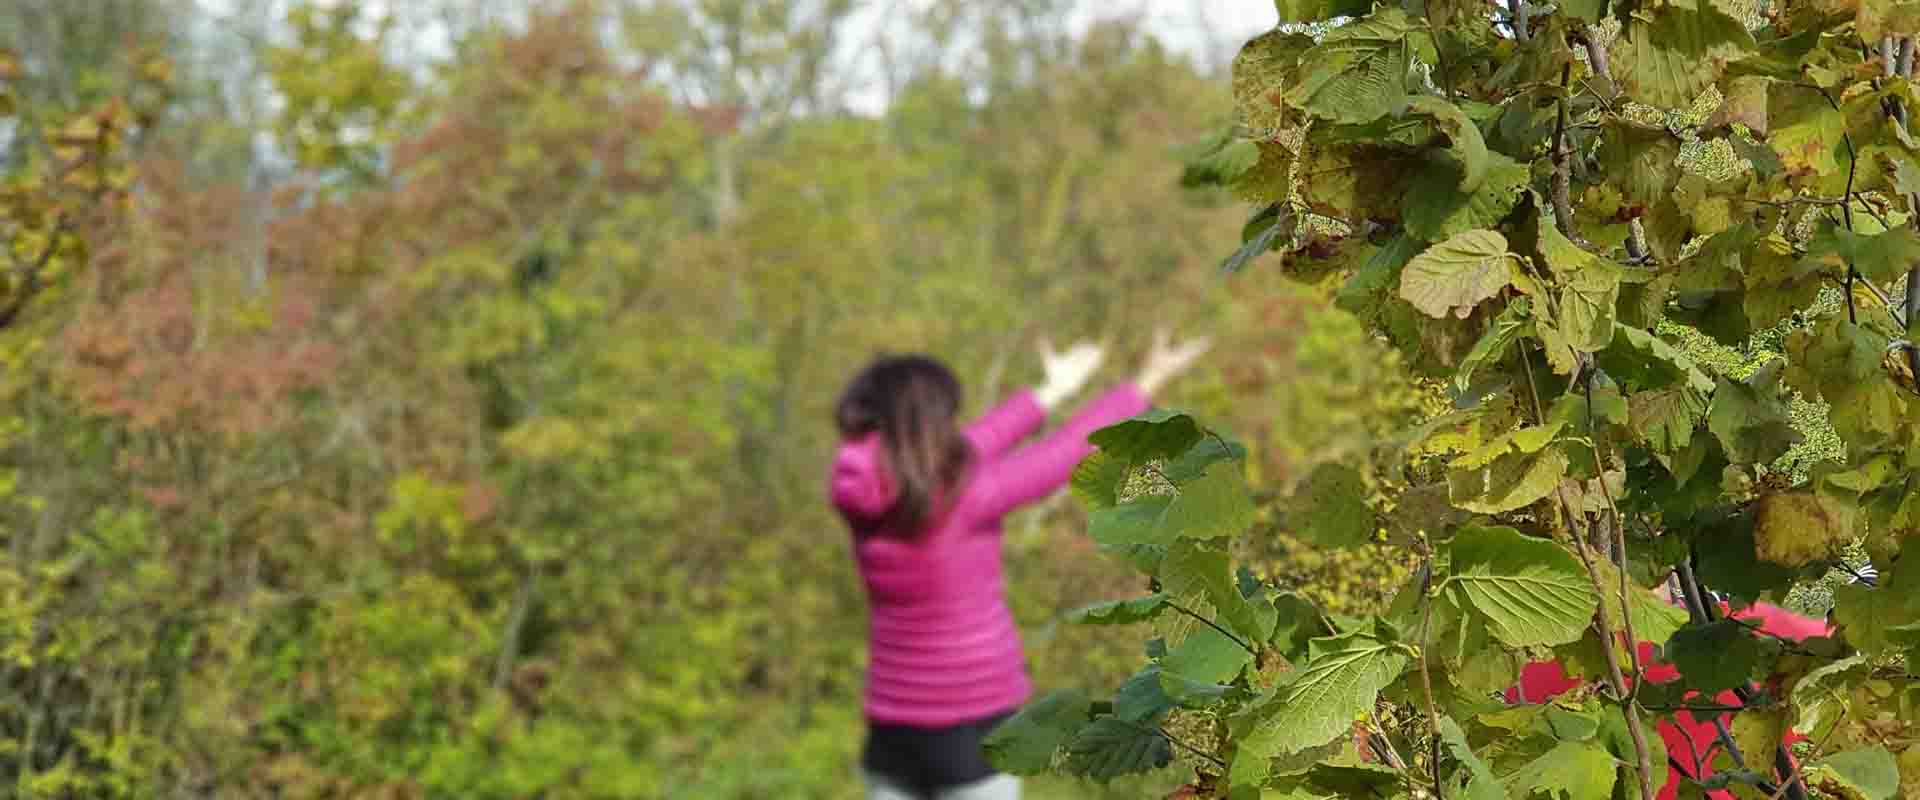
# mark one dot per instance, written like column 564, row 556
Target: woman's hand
column 1166, row 359
column 1066, row 371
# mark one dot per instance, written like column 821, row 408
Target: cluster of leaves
column 1501, row 194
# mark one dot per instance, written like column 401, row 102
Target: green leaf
column 1666, row 56
column 1098, row 478
column 1794, row 528
column 1194, row 463
column 1214, row 505
column 1156, row 434
column 1356, row 181
column 1139, row 522
column 1265, row 66
column 1437, row 207
column 1587, row 306
column 1665, row 419
column 1141, row 700
column 1730, row 561
column 1639, row 361
column 1267, row 228
column 1481, row 783
column 1341, row 679
column 1119, row 612
column 1493, row 344
column 1865, row 774
column 1777, row 284
column 1716, row 656
column 1570, row 771
column 1298, row 623
column 1205, row 656
column 1822, row 696
column 1332, row 509
column 1879, row 257
column 1751, row 418
column 1808, row 132
column 1319, row 10
column 1190, row 569
column 1840, row 362
column 1529, row 591
column 1110, row 748
column 1468, row 148
column 1638, row 160
column 1026, row 742
column 1457, row 274
column 1511, row 481
column 1359, row 71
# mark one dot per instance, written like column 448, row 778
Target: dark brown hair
column 914, row 403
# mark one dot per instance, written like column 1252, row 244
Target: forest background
column 430, row 399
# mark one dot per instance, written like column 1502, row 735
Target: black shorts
column 926, row 760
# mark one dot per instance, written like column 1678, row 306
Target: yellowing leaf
column 1457, row 274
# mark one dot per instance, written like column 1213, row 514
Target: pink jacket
column 942, row 647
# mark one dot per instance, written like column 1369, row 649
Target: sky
column 1209, row 31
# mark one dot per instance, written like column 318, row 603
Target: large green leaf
column 1026, row 742
column 1112, row 747
column 1575, row 770
column 1331, row 509
column 1530, row 591
column 1356, row 182
column 1509, row 482
column 1359, row 71
column 1808, row 132
column 1866, row 774
column 1141, row 699
column 1716, row 656
column 1665, row 419
column 1119, row 612
column 1206, row 656
column 1457, row 274
column 1156, row 434
column 1751, row 418
column 1341, row 679
column 1467, row 147
column 1666, row 56
column 1437, row 207
column 1214, row 505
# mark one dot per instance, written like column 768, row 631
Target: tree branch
column 1211, row 624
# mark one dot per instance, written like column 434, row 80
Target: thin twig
column 1211, row 624
column 1426, row 679
column 1643, row 758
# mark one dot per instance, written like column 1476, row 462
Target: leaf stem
column 1214, row 625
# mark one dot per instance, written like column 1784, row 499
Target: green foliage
column 1651, row 257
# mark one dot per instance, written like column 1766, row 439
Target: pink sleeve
column 1006, row 424
column 1041, row 468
